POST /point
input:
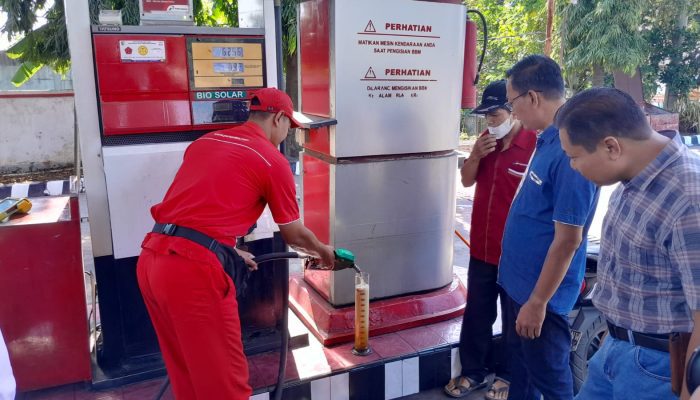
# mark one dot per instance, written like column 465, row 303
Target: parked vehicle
column 588, row 326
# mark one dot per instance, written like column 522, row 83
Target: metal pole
column 278, row 44
column 76, row 149
column 278, row 49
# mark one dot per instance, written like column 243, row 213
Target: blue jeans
column 540, row 367
column 621, row 371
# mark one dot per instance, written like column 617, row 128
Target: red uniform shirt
column 225, row 180
column 497, row 180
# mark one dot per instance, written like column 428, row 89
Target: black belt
column 233, row 264
column 649, row 340
column 187, row 233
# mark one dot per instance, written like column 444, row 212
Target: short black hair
column 539, row 73
column 596, row 113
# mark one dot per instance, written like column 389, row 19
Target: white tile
column 19, row 190
column 261, row 396
column 393, row 380
column 54, row 188
column 340, row 387
column 321, row 389
column 311, row 362
column 455, row 363
column 411, row 376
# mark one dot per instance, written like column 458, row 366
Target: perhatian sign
column 396, row 63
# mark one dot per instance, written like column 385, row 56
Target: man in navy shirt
column 543, row 257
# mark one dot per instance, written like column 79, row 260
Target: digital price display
column 227, row 52
column 218, row 63
column 228, row 68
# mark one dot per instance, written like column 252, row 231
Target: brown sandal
column 463, row 385
column 498, row 393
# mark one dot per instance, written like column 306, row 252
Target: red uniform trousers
column 195, row 314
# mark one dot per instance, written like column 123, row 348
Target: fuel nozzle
column 343, row 259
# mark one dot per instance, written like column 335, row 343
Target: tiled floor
column 304, row 363
column 308, row 362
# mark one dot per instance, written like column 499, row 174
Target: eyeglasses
column 509, row 104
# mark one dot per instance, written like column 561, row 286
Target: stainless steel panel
column 398, row 218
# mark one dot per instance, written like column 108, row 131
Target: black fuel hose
column 282, row 255
column 284, row 335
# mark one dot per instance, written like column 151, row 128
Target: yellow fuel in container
column 9, row 206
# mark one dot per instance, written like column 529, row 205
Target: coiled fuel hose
column 284, row 335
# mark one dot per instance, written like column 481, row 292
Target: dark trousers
column 540, row 366
column 475, row 342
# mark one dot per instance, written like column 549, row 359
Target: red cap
column 273, row 100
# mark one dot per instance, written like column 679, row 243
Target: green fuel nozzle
column 343, row 259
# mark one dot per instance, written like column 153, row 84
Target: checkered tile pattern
column 383, row 380
column 35, row 189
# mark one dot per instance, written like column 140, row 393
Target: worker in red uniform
column 225, row 180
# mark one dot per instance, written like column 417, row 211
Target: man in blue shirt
column 543, row 258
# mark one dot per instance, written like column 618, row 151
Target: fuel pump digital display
column 227, row 52
column 222, row 71
column 214, row 62
column 228, row 68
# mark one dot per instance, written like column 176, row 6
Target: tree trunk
column 671, row 97
column 550, row 23
column 291, row 77
column 562, row 34
column 598, row 76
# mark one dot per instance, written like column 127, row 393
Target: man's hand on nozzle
column 327, row 256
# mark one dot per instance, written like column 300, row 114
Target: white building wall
column 36, row 133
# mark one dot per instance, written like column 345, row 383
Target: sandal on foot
column 500, row 392
column 463, row 385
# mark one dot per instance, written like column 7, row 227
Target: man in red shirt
column 496, row 164
column 225, row 180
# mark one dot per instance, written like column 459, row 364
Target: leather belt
column 657, row 342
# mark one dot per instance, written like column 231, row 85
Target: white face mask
column 501, row 130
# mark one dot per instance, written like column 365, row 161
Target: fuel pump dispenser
column 380, row 181
column 142, row 94
column 394, row 74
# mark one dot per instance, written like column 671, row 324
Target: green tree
column 602, row 36
column 672, row 28
column 48, row 44
column 515, row 29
